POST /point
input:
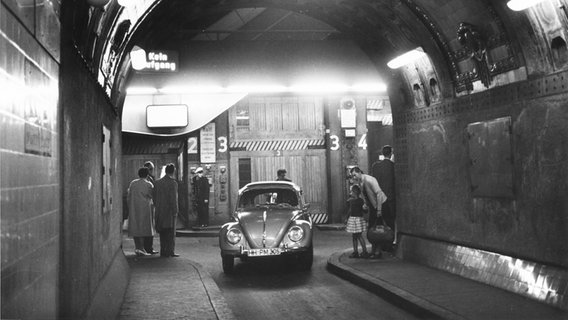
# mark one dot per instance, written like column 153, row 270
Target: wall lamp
column 406, row 58
column 519, row 5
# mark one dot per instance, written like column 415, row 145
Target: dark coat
column 383, row 171
column 166, row 202
column 201, row 190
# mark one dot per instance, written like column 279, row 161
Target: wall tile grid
column 544, row 283
column 29, row 171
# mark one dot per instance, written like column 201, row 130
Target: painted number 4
column 363, row 142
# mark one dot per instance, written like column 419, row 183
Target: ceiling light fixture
column 257, row 89
column 202, row 89
column 369, row 87
column 305, row 88
column 406, row 58
column 519, row 5
column 126, row 3
column 141, row 90
column 138, row 58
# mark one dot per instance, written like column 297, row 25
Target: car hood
column 276, row 224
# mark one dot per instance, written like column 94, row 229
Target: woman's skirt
column 356, row 225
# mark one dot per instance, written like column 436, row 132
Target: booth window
column 243, row 118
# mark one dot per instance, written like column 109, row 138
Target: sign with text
column 208, row 144
column 161, row 61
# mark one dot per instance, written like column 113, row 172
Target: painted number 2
column 192, row 145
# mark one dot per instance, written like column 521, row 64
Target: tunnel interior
column 478, row 125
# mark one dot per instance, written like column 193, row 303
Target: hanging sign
column 157, row 61
column 208, row 144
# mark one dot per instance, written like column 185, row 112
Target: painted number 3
column 222, row 144
column 334, row 141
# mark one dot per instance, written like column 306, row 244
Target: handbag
column 380, row 233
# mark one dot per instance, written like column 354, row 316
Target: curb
column 218, row 303
column 404, row 299
column 193, row 233
column 324, row 227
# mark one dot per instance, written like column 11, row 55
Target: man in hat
column 201, row 188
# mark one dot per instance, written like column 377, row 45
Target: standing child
column 355, row 222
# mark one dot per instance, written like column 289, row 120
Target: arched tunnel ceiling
column 383, row 29
column 382, row 25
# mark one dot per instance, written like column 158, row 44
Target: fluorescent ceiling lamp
column 313, row 88
column 519, row 5
column 191, row 89
column 406, row 58
column 318, row 87
column 369, row 87
column 126, row 3
column 138, row 58
column 141, row 90
column 257, row 89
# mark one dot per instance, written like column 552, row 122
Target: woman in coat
column 140, row 219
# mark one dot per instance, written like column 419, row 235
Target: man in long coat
column 140, row 219
column 166, row 204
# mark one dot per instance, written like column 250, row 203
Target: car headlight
column 296, row 233
column 234, row 236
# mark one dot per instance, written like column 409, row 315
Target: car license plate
column 264, row 252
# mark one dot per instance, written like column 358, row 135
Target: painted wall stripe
column 274, row 145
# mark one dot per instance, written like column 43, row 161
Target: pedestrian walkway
column 171, row 288
column 431, row 293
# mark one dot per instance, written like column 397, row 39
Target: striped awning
column 275, row 145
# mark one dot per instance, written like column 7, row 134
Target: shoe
column 141, row 253
column 364, row 255
column 375, row 255
column 354, row 255
column 174, row 255
column 152, row 252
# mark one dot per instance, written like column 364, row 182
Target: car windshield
column 266, row 197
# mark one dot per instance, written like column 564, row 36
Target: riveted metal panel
column 491, row 160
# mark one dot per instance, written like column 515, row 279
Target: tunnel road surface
column 268, row 289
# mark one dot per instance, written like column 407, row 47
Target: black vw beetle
column 270, row 220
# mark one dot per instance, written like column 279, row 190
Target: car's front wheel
column 228, row 263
